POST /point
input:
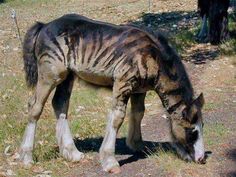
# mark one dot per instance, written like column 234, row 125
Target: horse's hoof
column 115, row 170
column 26, row 158
column 110, row 164
column 72, row 154
column 77, row 156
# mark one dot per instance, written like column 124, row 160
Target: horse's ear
column 199, row 101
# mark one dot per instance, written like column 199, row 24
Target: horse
column 131, row 61
column 214, row 14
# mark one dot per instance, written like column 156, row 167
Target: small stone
column 142, row 125
column 13, row 163
column 79, row 108
column 10, row 173
column 47, row 172
column 174, row 26
column 164, row 116
column 6, row 151
column 15, row 49
column 148, row 105
column 218, row 90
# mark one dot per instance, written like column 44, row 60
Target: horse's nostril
column 201, row 160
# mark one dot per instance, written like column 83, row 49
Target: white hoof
column 72, row 154
column 110, row 165
column 26, row 158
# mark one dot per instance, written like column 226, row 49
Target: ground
column 211, row 70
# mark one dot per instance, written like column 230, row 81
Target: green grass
column 184, row 39
column 229, row 47
column 209, row 106
column 214, row 133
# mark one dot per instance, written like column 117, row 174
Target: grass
column 214, row 133
column 209, row 106
column 170, row 165
column 184, row 39
column 228, row 48
column 22, row 2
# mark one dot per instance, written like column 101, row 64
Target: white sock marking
column 199, row 146
column 28, row 140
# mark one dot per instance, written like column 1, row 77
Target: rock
column 10, row 173
column 6, row 151
column 79, row 108
column 164, row 116
column 47, row 172
column 15, row 49
column 174, row 26
column 148, row 105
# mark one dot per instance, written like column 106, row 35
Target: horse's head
column 187, row 131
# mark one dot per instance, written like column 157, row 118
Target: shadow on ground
column 181, row 27
column 167, row 22
column 232, row 156
column 93, row 145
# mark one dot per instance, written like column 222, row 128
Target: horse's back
column 96, row 51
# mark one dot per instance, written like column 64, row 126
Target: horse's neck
column 173, row 93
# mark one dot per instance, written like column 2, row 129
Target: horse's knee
column 31, row 102
column 35, row 111
column 118, row 118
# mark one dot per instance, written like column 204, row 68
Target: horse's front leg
column 134, row 139
column 60, row 105
column 115, row 120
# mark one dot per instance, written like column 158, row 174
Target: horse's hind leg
column 50, row 74
column 60, row 105
column 35, row 107
column 134, row 139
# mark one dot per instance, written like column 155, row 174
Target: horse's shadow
column 150, row 147
column 232, row 156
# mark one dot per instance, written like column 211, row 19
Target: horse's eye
column 194, row 119
column 192, row 136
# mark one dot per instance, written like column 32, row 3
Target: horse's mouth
column 207, row 154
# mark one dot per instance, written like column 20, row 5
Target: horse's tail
column 30, row 60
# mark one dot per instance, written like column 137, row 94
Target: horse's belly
column 96, row 79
